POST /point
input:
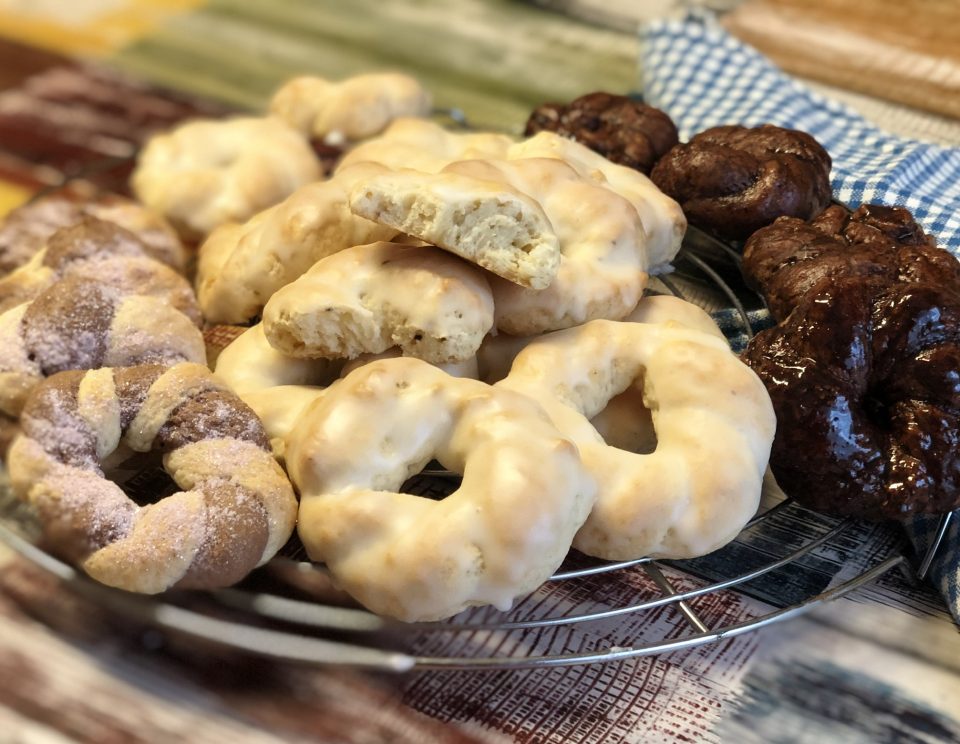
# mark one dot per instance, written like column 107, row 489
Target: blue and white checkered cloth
column 704, row 77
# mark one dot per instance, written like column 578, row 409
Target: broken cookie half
column 485, row 222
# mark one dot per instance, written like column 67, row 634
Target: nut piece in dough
column 488, row 223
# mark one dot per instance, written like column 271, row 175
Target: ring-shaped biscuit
column 278, row 387
column 78, row 324
column 663, row 220
column 204, row 173
column 352, row 109
column 497, row 537
column 237, row 507
column 713, row 421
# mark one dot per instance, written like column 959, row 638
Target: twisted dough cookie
column 352, row 109
column 712, row 418
column 241, row 266
column 206, row 173
column 369, row 298
column 602, row 243
column 104, row 252
column 26, row 229
column 497, row 537
column 733, row 180
column 80, row 323
column 237, row 507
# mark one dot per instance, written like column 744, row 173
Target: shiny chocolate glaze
column 621, row 129
column 733, row 180
column 864, row 376
column 790, row 258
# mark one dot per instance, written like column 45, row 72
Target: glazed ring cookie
column 237, row 507
column 496, row 353
column 603, row 259
column 352, row 109
column 424, row 146
column 207, row 173
column 241, row 266
column 25, row 230
column 713, row 421
column 365, row 299
column 104, row 252
column 663, row 220
column 82, row 324
column 497, row 537
column 278, row 387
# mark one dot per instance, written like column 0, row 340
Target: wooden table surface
column 883, row 665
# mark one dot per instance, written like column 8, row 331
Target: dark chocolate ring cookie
column 864, row 380
column 734, row 180
column 790, row 258
column 622, row 130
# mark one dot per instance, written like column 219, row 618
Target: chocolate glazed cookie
column 622, row 130
column 865, row 380
column 733, row 180
column 786, row 260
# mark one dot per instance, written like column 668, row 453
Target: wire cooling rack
column 290, row 611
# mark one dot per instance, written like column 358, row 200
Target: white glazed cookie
column 368, row 298
column 241, row 266
column 602, row 270
column 486, row 222
column 278, row 387
column 349, row 110
column 496, row 538
column 662, row 218
column 206, row 173
column 713, row 425
column 425, row 146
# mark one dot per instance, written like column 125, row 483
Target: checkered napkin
column 703, row 77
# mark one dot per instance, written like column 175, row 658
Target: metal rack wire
column 271, row 615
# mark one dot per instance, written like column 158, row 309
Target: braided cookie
column 353, row 109
column 368, row 298
column 486, row 222
column 424, row 146
column 278, row 387
column 25, row 230
column 237, row 508
column 83, row 324
column 497, row 537
column 207, row 173
column 241, row 266
column 104, row 252
column 663, row 220
column 713, row 425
